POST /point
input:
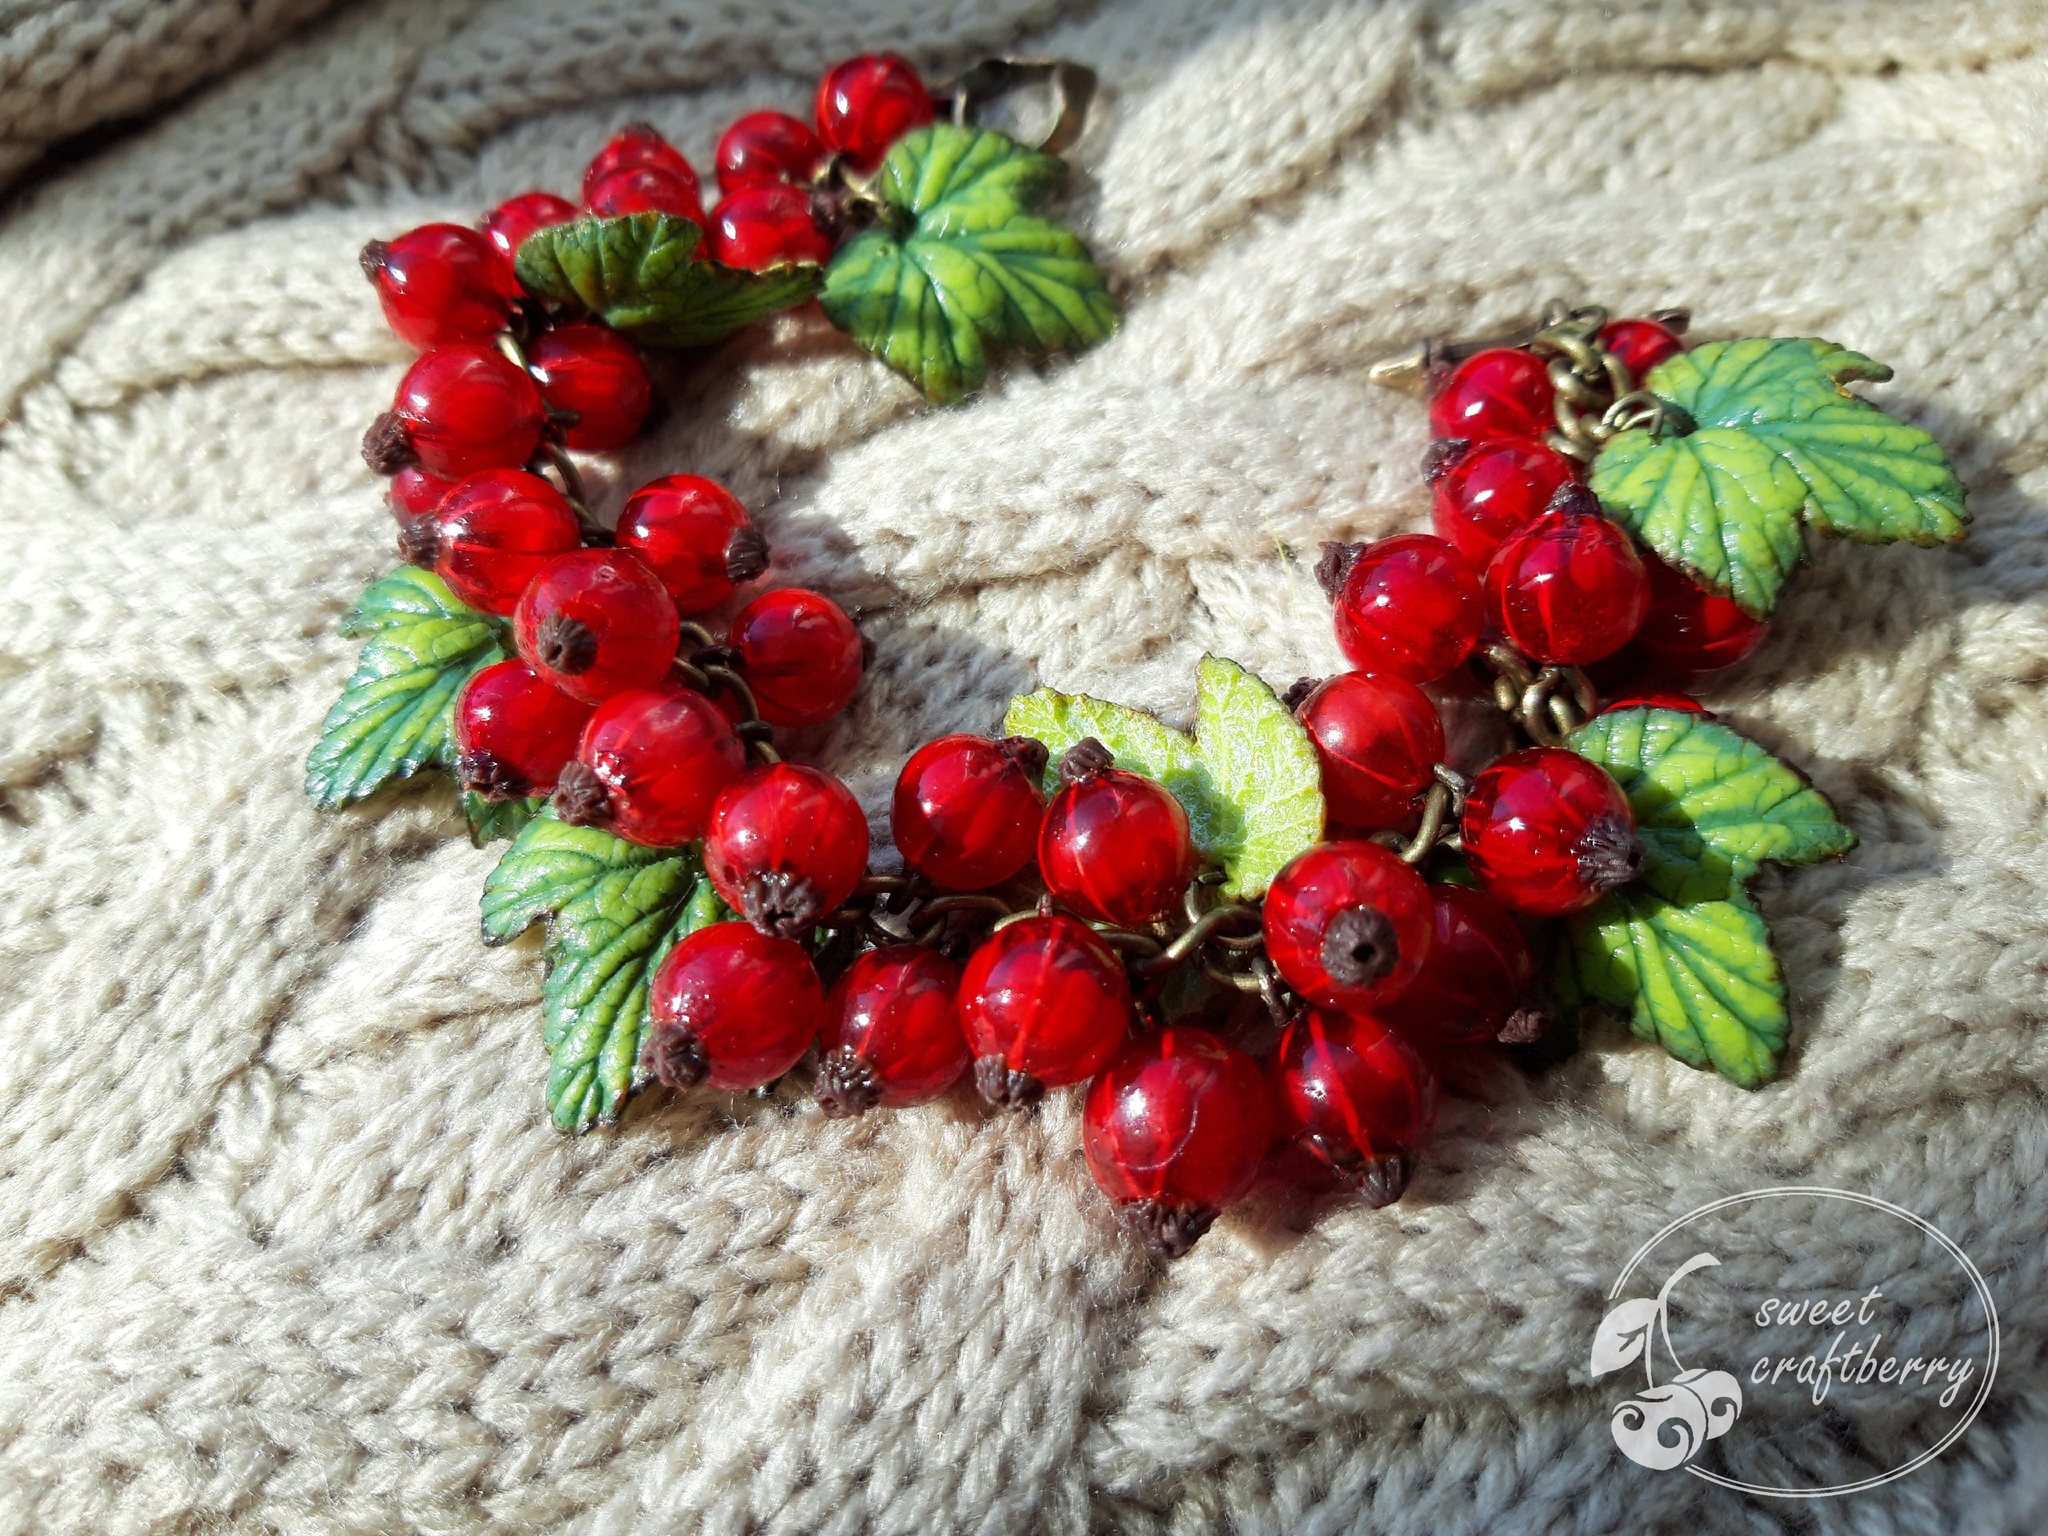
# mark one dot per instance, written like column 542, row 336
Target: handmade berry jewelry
column 1261, row 943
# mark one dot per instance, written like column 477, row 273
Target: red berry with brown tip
column 1688, row 630
column 1475, row 978
column 514, row 731
column 731, row 1007
column 768, row 147
column 1174, row 1131
column 637, row 147
column 650, row 766
column 1347, row 924
column 1640, row 344
column 1570, row 588
column 459, row 409
column 1357, row 1097
column 866, row 104
column 493, row 533
column 1378, row 738
column 967, row 810
column 1114, row 846
column 766, row 226
column 1547, row 832
column 441, row 283
column 694, row 534
column 892, row 1032
column 516, row 220
column 592, row 370
column 1409, row 605
column 1044, row 1003
column 800, row 654
column 786, row 846
column 596, row 622
column 1493, row 489
column 1501, row 392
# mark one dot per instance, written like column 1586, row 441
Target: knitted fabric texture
column 286, row 1242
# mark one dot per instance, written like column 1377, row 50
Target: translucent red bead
column 514, row 732
column 1640, row 344
column 639, row 151
column 597, row 622
column 732, row 1008
column 1687, row 629
column 768, row 147
column 1493, row 489
column 785, row 846
column 1347, row 924
column 1044, row 1003
column 463, row 408
column 1410, row 605
column 595, row 372
column 966, row 813
column 1116, row 847
column 656, row 761
column 767, row 225
column 413, row 492
column 1378, row 738
column 441, row 283
column 866, row 104
column 892, row 1031
column 695, row 536
column 800, row 654
column 1569, row 588
column 1357, row 1097
column 1546, row 832
column 516, row 220
column 1501, row 392
column 1477, row 974
column 494, row 532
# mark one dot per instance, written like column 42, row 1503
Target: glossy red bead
column 966, row 813
column 646, row 189
column 496, row 531
column 1492, row 490
column 1655, row 698
column 1355, row 1095
column 1174, row 1131
column 866, row 104
column 1477, row 973
column 413, row 492
column 596, row 622
column 1640, row 344
column 732, row 1008
column 1687, row 629
column 1569, row 588
column 441, row 283
column 592, row 370
column 1044, row 1003
column 1501, row 392
column 786, row 845
column 800, row 654
column 1546, row 832
column 1347, row 924
column 892, row 1031
column 695, row 536
column 1116, row 848
column 637, row 147
column 509, row 225
column 1378, row 737
column 767, row 226
column 514, row 731
column 768, row 147
column 1410, row 606
column 657, row 760
column 464, row 408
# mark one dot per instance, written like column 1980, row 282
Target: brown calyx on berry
column 489, row 775
column 1298, row 692
column 782, row 904
column 582, row 799
column 746, row 554
column 1442, row 456
column 1573, row 496
column 1609, row 853
column 675, row 1056
column 1377, row 1178
column 1028, row 753
column 1359, row 946
column 846, row 1085
column 565, row 645
column 1531, row 1018
column 1335, row 566
column 1003, row 1088
column 373, row 257
column 1167, row 1231
column 386, row 447
column 419, row 541
column 1084, row 760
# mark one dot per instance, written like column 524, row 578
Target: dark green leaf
column 490, row 820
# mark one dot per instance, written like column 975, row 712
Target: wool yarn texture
column 286, row 1240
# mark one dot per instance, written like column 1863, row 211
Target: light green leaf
column 553, row 868
column 1711, row 806
column 1776, row 439
column 963, row 268
column 392, row 718
column 1140, row 743
column 490, row 820
column 1700, row 980
column 639, row 273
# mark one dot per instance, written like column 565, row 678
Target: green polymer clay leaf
column 1700, row 980
column 964, row 268
column 1264, row 784
column 1776, row 440
column 1711, row 806
column 392, row 718
column 1139, row 742
column 640, row 274
column 490, row 820
column 553, row 869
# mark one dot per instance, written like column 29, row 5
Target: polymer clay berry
column 596, row 622
column 1044, row 1003
column 967, row 810
column 638, row 147
column 459, row 409
column 800, row 654
column 696, row 538
column 650, row 766
column 1570, row 588
column 646, row 189
column 1482, row 492
column 1114, row 846
column 516, row 220
column 441, row 283
column 892, row 1032
column 413, row 492
column 768, row 147
column 1357, row 1097
column 1347, row 924
column 731, row 1007
column 866, row 104
column 1378, row 738
column 592, row 371
column 1409, row 605
column 1174, row 1131
column 514, row 732
column 1640, row 344
column 786, row 845
column 492, row 534
column 767, row 225
column 1546, row 832
column 1474, row 981
column 1687, row 630
column 1501, row 392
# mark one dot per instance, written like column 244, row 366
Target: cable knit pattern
column 286, row 1243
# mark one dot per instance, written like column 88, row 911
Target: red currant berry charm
column 1501, row 392
column 1570, row 588
column 593, row 371
column 514, row 732
column 768, row 225
column 459, row 409
column 967, row 810
column 596, row 622
column 800, row 654
column 1688, row 630
column 731, row 1008
column 1656, row 698
column 516, row 220
column 650, row 767
column 1482, row 492
column 786, row 845
column 493, row 534
column 646, row 189
column 892, row 1032
column 1378, row 738
column 1347, row 924
column 1640, row 344
column 767, row 147
column 695, row 536
column 1547, row 832
column 1174, row 1131
column 1114, row 846
column 1409, row 605
column 866, row 104
column 1476, row 979
column 414, row 493
column 638, row 147
column 1356, row 1096
column 441, row 283
column 1044, row 1003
